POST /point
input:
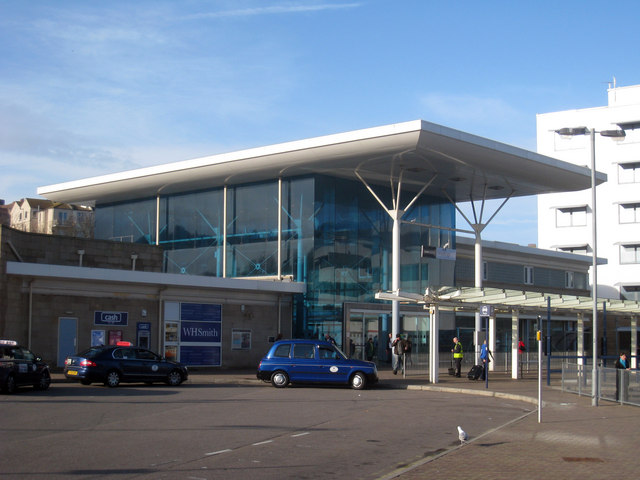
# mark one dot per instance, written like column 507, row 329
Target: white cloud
column 271, row 10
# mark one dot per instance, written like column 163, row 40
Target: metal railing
column 615, row 385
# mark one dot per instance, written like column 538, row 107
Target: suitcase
column 475, row 372
column 452, row 371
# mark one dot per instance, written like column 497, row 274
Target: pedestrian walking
column 485, row 356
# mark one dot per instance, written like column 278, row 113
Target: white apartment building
column 565, row 219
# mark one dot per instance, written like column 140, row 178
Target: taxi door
column 303, row 363
column 331, row 365
column 150, row 364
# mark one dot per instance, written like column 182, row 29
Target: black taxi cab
column 19, row 366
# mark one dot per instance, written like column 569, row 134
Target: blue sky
column 89, row 88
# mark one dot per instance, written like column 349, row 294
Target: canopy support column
column 478, row 226
column 634, row 341
column 515, row 337
column 396, row 213
column 434, row 335
column 491, row 341
column 580, row 338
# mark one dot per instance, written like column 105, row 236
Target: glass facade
column 335, row 237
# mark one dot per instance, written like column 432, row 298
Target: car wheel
column 113, row 379
column 279, row 379
column 358, row 381
column 10, row 385
column 43, row 382
column 85, row 382
column 174, row 379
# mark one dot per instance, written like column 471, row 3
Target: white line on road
column 300, row 434
column 262, row 443
column 218, row 452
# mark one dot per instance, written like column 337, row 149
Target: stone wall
column 61, row 250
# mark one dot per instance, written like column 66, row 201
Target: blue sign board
column 200, row 334
column 200, row 355
column 144, row 326
column 486, row 310
column 112, row 319
column 202, row 312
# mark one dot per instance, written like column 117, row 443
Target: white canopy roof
column 463, row 165
column 472, row 298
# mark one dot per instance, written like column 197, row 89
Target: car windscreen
column 326, row 352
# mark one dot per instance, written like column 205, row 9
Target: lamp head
column 572, row 131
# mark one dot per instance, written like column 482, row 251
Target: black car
column 123, row 362
column 19, row 366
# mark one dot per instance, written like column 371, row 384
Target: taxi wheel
column 10, row 385
column 43, row 382
column 113, row 379
column 358, row 381
column 279, row 379
column 174, row 379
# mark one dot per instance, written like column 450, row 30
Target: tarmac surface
column 573, row 440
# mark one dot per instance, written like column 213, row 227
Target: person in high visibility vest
column 457, row 355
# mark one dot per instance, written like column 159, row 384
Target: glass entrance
column 363, row 335
column 368, row 335
column 416, row 329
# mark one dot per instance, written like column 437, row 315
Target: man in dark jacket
column 398, row 354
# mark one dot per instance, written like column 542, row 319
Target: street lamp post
column 594, row 234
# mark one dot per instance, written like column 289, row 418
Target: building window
column 629, row 212
column 629, row 172
column 528, row 275
column 485, row 271
column 630, row 253
column 569, row 280
column 571, row 216
column 578, row 249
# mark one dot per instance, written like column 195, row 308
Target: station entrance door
column 363, row 324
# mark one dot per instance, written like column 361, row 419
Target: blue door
column 67, row 338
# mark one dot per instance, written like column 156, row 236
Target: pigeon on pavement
column 462, row 435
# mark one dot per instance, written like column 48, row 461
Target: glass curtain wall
column 352, row 251
column 133, row 221
column 191, row 233
column 335, row 237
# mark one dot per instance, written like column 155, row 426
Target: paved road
column 220, row 430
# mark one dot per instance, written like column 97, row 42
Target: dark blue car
column 314, row 361
column 124, row 362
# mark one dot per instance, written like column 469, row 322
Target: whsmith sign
column 112, row 319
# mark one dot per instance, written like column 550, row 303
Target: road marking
column 218, row 452
column 262, row 443
column 300, row 434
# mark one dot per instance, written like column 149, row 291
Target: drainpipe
column 30, row 313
